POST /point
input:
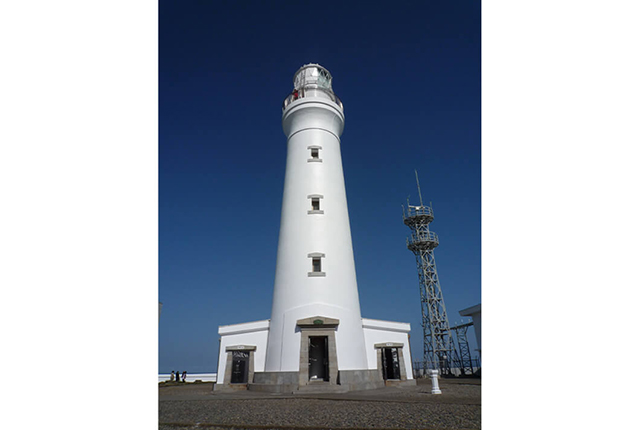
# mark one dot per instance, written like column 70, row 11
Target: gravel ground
column 195, row 406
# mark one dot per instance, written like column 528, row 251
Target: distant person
column 178, row 376
column 184, row 376
column 173, row 376
column 295, row 94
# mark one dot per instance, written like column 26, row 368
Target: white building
column 316, row 338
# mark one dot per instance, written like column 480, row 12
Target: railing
column 420, row 368
column 311, row 92
column 419, row 211
column 426, row 236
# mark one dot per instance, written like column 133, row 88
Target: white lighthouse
column 315, row 270
column 316, row 337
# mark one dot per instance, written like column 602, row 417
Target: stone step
column 321, row 387
column 273, row 388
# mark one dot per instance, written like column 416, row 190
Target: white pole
column 434, row 382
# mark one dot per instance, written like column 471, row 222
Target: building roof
column 386, row 325
column 247, row 327
column 470, row 311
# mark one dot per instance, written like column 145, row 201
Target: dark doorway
column 390, row 363
column 240, row 367
column 318, row 358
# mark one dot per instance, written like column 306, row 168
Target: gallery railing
column 311, row 92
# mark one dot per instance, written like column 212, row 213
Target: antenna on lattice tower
column 419, row 192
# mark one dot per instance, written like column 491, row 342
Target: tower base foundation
column 289, row 382
column 356, row 380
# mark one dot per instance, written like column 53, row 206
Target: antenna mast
column 418, row 182
column 439, row 351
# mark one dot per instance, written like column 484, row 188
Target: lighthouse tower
column 315, row 271
column 316, row 338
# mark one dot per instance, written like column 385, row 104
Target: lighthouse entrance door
column 240, row 367
column 390, row 363
column 318, row 358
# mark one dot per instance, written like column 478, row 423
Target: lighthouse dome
column 312, row 76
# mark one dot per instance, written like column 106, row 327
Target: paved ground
column 196, row 406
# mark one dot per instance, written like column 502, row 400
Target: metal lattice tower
column 439, row 349
column 466, row 365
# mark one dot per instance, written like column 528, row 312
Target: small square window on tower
column 316, row 264
column 315, row 153
column 315, row 204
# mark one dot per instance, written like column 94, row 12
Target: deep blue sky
column 408, row 74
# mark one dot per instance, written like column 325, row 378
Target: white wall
column 251, row 334
column 477, row 327
column 376, row 331
column 311, row 121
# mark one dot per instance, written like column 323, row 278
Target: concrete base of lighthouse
column 319, row 369
column 288, row 382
